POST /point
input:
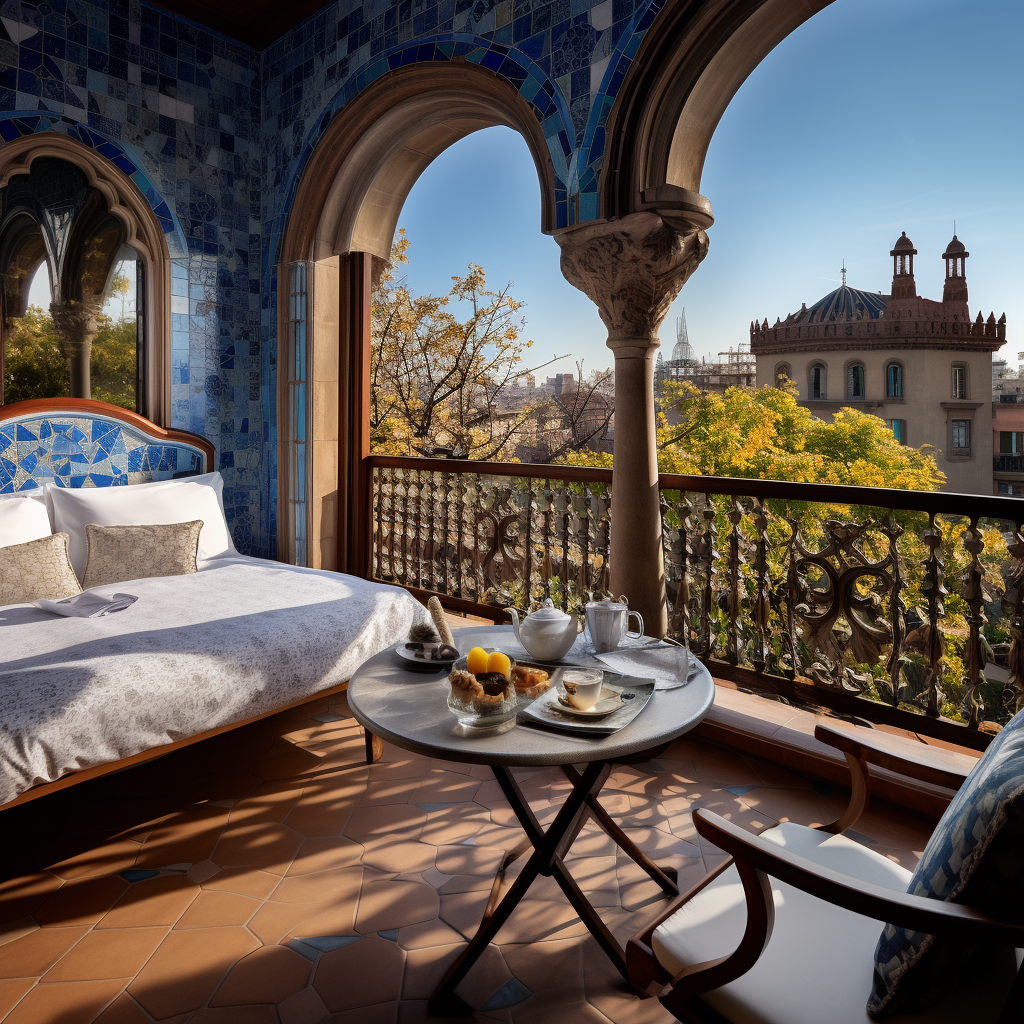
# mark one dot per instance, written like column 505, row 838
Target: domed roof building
column 922, row 365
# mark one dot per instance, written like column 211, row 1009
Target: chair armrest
column 920, row 913
column 930, row 764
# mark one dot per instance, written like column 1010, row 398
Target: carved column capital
column 632, row 268
column 76, row 323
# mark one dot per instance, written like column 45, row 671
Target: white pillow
column 23, row 517
column 156, row 504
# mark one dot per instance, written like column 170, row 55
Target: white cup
column 582, row 687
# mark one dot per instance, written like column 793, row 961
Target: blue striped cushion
column 976, row 857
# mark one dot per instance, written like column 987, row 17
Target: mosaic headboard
column 80, row 443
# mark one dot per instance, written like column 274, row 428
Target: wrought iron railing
column 1004, row 462
column 899, row 606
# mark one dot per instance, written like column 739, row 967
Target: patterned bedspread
column 193, row 653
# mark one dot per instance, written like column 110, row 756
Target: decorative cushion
column 118, row 553
column 164, row 501
column 36, row 570
column 22, row 518
column 975, row 856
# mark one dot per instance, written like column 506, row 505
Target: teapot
column 547, row 634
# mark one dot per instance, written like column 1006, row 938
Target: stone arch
column 144, row 231
column 347, row 201
column 369, row 154
column 683, row 77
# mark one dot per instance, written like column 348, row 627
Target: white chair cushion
column 818, row 965
column 159, row 503
column 23, row 517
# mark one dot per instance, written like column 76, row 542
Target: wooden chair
column 820, row 898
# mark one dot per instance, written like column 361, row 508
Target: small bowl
column 482, row 713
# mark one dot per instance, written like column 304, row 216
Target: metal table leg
column 549, row 849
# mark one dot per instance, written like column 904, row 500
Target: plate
column 610, row 701
column 415, row 659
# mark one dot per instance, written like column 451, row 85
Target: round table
column 409, row 708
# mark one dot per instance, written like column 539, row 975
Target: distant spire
column 844, row 271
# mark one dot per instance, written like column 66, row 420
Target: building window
column 819, row 382
column 894, row 381
column 959, row 382
column 1011, row 442
column 899, row 429
column 72, row 292
column 961, row 435
column 855, row 381
column 783, row 375
column 299, row 456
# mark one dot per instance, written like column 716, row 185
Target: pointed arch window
column 894, row 381
column 783, row 374
column 71, row 290
column 855, row 381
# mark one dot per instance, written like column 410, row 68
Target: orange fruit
column 500, row 663
column 476, row 661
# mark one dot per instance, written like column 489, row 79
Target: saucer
column 610, row 701
column 415, row 659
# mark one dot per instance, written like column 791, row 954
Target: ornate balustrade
column 896, row 606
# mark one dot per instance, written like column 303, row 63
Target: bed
column 196, row 654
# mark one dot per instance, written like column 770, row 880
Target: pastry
column 527, row 678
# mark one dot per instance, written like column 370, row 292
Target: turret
column 955, row 287
column 903, row 253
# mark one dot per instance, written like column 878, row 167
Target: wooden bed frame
column 87, row 410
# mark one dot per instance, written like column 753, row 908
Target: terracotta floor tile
column 34, row 954
column 105, row 860
column 394, row 904
column 468, row 860
column 337, row 920
column 81, row 902
column 305, row 1007
column 336, row 886
column 244, row 881
column 20, row 896
column 464, row 883
column 271, row 801
column 77, row 1002
column 323, row 854
column 455, row 824
column 398, row 765
column 212, row 909
column 489, row 974
column 274, row 921
column 427, row 933
column 159, row 900
column 397, row 855
column 463, row 910
column 11, row 931
column 384, row 821
column 266, row 846
column 113, row 953
column 11, row 991
column 187, row 967
column 379, row 792
column 268, row 975
column 377, row 961
column 381, row 1013
column 236, row 1015
column 425, row 967
column 324, row 811
column 124, row 1010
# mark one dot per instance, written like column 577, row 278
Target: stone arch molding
column 142, row 231
column 683, row 78
column 365, row 163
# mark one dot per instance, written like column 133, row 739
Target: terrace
column 262, row 869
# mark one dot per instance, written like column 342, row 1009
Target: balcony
column 893, row 606
column 1007, row 462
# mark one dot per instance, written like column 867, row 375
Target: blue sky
column 873, row 118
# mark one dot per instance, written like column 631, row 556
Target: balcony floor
column 227, row 884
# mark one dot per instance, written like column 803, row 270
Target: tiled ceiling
column 256, row 22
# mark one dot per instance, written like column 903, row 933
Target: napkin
column 667, row 666
column 87, row 605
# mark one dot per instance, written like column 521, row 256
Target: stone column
column 632, row 268
column 77, row 323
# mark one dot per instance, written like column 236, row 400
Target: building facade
column 924, row 366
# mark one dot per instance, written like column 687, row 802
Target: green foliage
column 34, row 366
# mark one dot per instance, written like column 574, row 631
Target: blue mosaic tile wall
column 216, row 136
